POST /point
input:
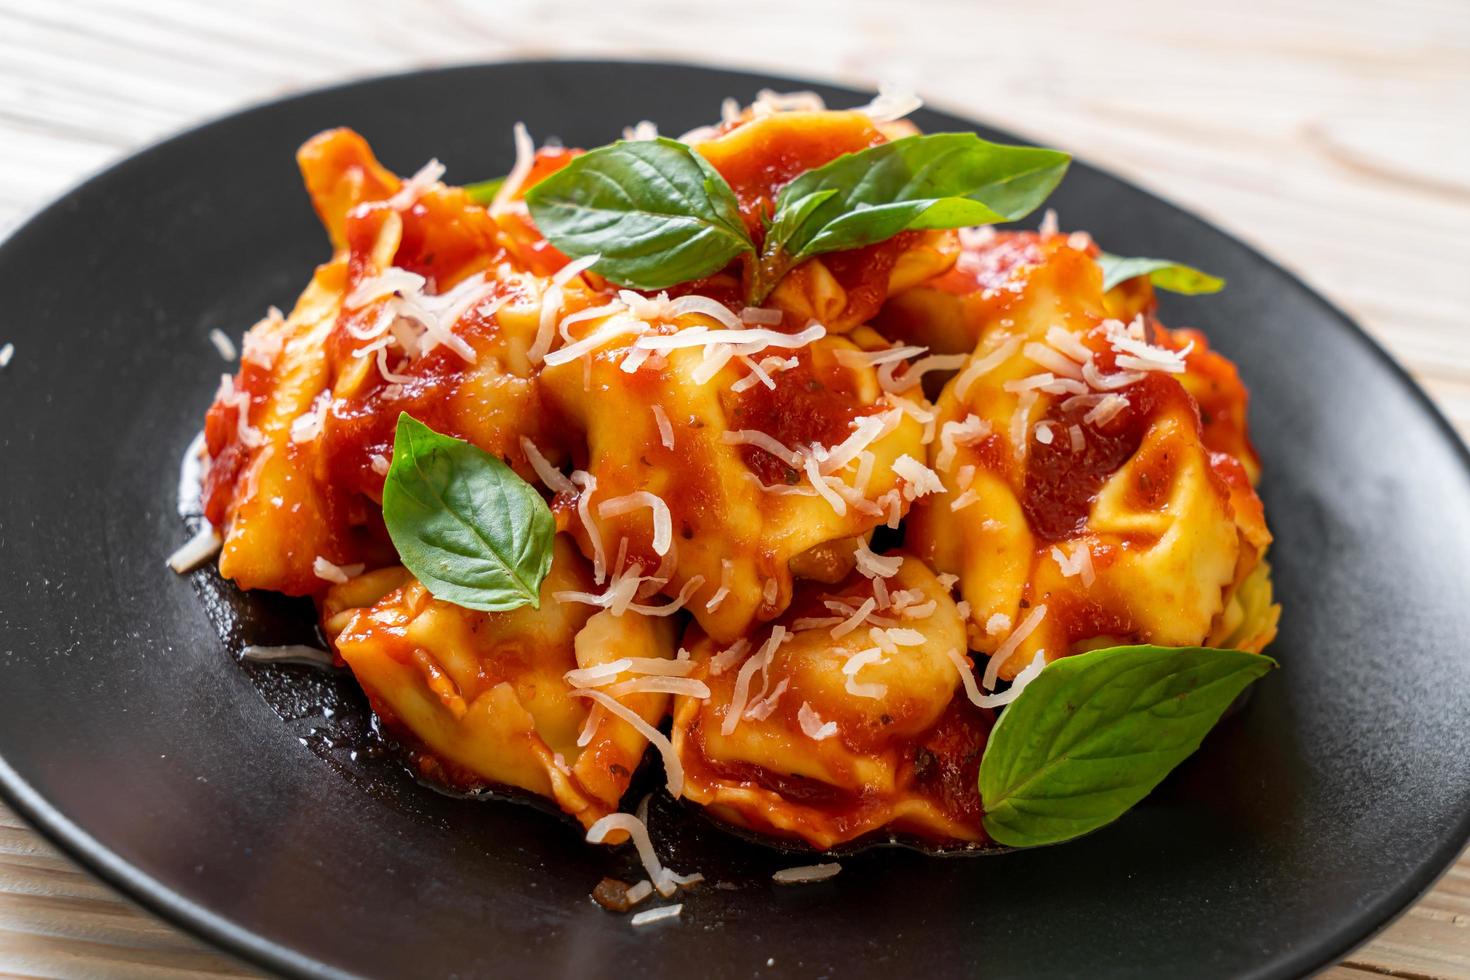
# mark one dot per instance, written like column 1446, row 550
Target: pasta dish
column 774, row 453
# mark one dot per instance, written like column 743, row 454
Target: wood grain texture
column 1332, row 135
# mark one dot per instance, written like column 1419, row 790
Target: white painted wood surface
column 1333, row 135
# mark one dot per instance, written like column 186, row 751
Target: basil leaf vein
column 1176, row 277
column 471, row 530
column 1094, row 733
column 654, row 210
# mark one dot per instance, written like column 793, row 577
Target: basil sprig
column 658, row 214
column 654, row 210
column 464, row 524
column 947, row 180
column 1176, row 277
column 1092, row 734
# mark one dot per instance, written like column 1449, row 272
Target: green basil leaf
column 1163, row 273
column 1093, row 733
column 946, row 180
column 655, row 210
column 467, row 527
column 484, row 192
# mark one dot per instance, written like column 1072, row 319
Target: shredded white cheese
column 414, row 187
column 664, row 879
column 760, row 661
column 665, row 429
column 330, row 572
column 806, row 873
column 727, row 569
column 812, row 725
column 223, row 344
column 673, row 768
column 553, row 478
column 952, row 435
column 204, row 545
column 650, row 916
column 1004, row 651
column 855, row 663
column 983, row 366
column 1078, row 562
column 663, row 521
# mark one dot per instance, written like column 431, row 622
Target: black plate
column 133, row 740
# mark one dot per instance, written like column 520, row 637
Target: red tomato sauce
column 946, row 763
column 1060, row 485
column 810, row 403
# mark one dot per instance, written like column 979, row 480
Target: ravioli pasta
column 802, row 545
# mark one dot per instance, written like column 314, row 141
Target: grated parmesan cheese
column 855, row 663
column 873, row 565
column 1004, row 651
column 967, row 678
column 330, row 572
column 761, row 709
column 891, row 104
column 1021, row 420
column 308, row 425
column 727, row 569
column 806, row 873
column 726, row 659
column 640, row 131
column 587, row 484
column 552, row 477
column 1078, row 563
column 649, row 916
column 525, row 159
column 665, row 880
column 761, row 440
column 858, row 617
column 1106, row 410
column 953, row 435
column 665, row 430
column 760, row 661
column 221, row 342
column 812, row 725
column 673, row 768
column 197, row 550
column 979, row 368
column 414, row 187
column 663, row 521
column 919, row 479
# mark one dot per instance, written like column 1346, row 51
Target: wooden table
column 1333, row 135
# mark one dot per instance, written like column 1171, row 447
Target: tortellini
column 722, row 467
column 720, row 474
column 486, row 693
column 847, row 725
column 1082, row 507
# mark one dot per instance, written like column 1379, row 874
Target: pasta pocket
column 487, row 695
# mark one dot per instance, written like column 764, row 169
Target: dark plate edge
column 256, row 950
